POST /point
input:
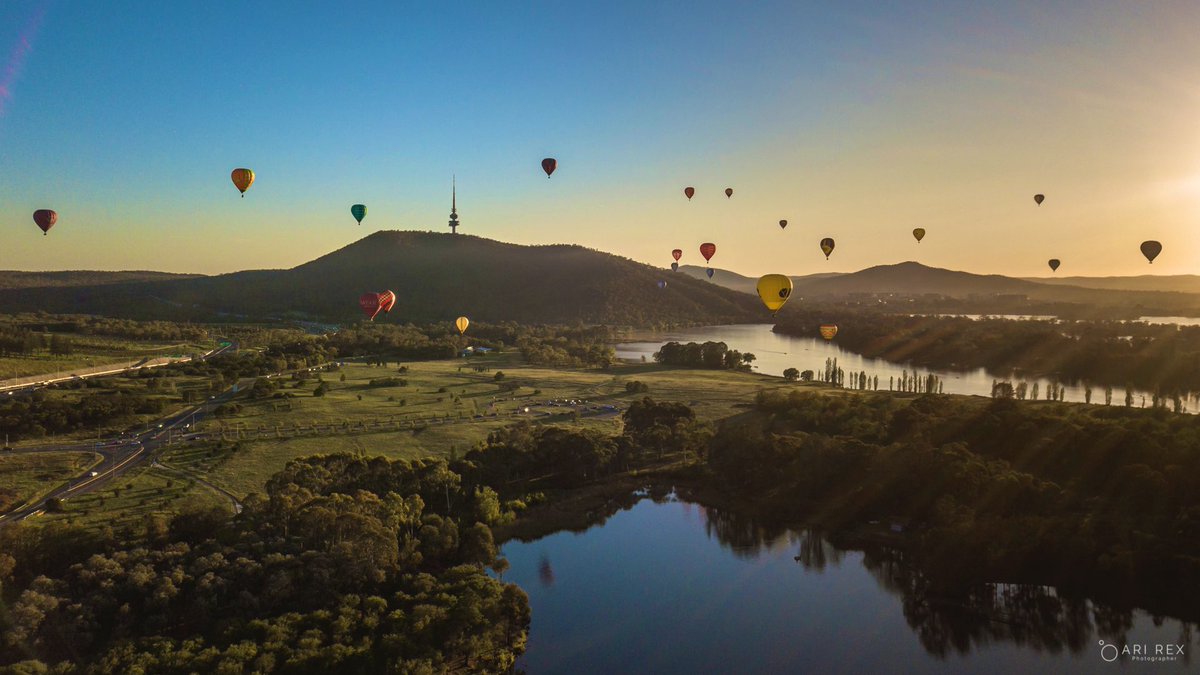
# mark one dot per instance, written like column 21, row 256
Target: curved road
column 123, row 453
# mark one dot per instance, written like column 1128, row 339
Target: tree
column 791, row 374
column 806, row 375
column 321, row 389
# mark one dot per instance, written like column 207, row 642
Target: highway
column 37, row 381
column 123, row 453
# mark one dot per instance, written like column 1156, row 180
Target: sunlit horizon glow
column 855, row 122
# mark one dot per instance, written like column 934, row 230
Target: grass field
column 466, row 404
column 26, row 476
column 131, row 498
column 713, row 394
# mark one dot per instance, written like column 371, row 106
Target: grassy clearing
column 131, row 498
column 26, row 476
column 712, row 394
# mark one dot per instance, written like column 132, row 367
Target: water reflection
column 658, row 584
column 1029, row 616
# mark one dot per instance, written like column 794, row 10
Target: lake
column 673, row 587
column 776, row 352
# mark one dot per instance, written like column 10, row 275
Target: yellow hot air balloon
column 828, row 330
column 461, row 324
column 242, row 179
column 774, row 289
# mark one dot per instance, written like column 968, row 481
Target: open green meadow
column 128, row 501
column 26, row 476
column 445, row 408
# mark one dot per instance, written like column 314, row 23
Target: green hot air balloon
column 359, row 212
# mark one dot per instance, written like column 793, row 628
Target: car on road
column 93, row 474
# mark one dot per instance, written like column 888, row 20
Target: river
column 672, row 587
column 775, row 352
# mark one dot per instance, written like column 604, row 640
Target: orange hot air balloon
column 708, row 250
column 688, row 192
column 728, row 192
column 243, row 179
column 828, row 330
column 386, row 300
column 549, row 165
column 370, row 303
column 1039, row 199
column 461, row 324
column 45, row 219
column 677, row 253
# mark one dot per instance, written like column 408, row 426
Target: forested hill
column 435, row 277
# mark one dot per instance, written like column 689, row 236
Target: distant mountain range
column 11, row 279
column 1179, row 293
column 436, row 276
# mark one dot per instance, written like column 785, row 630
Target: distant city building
column 453, row 207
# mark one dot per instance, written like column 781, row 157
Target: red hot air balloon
column 677, row 253
column 549, row 165
column 688, row 192
column 371, row 304
column 707, row 250
column 45, row 219
column 386, row 300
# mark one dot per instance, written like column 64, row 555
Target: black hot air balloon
column 1054, row 263
column 1151, row 249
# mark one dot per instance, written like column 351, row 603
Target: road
column 121, row 454
column 26, row 384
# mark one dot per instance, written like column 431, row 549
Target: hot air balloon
column 828, row 330
column 461, row 324
column 386, row 300
column 688, row 192
column 707, row 250
column 709, row 272
column 774, row 290
column 1054, row 263
column 370, row 303
column 359, row 212
column 919, row 233
column 674, row 267
column 677, row 253
column 549, row 165
column 1151, row 249
column 782, row 224
column 1039, row 199
column 243, row 179
column 728, row 192
column 827, row 246
column 662, row 285
column 45, row 219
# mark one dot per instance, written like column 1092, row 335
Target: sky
column 854, row 120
